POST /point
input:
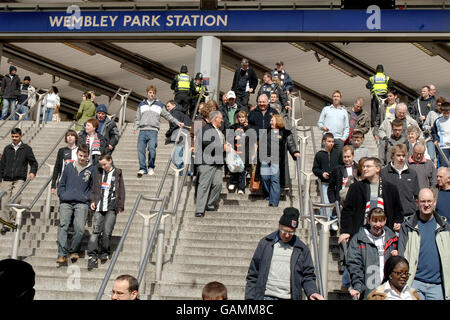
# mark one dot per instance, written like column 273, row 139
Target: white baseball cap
column 231, row 94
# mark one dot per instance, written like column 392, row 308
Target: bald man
column 424, row 241
column 443, row 198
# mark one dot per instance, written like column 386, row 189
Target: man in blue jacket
column 74, row 192
column 282, row 265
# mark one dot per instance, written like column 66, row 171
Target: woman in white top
column 50, row 104
column 393, row 286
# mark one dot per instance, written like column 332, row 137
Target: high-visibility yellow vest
column 183, row 82
column 379, row 83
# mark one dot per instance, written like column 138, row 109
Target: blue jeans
column 177, row 157
column 346, row 279
column 428, row 291
column 7, row 104
column 270, row 178
column 48, row 114
column 431, row 150
column 147, row 139
column 23, row 109
column 66, row 211
column 441, row 161
column 338, row 144
column 100, row 239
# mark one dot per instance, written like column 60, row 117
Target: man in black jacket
column 282, row 265
column 245, row 82
column 373, row 191
column 10, row 90
column 13, row 172
column 269, row 87
column 107, row 128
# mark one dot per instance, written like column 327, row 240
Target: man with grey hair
column 401, row 112
column 425, row 169
column 358, row 118
column 432, row 91
column 210, row 148
column 443, row 197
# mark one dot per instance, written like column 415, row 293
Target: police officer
column 198, row 88
column 183, row 85
column 245, row 82
column 378, row 85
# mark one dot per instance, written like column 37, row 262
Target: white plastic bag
column 234, row 162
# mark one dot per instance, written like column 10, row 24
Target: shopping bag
column 234, row 162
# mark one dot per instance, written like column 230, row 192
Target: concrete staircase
column 197, row 250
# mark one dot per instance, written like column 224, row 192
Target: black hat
column 183, row 68
column 199, row 76
column 290, row 217
column 27, row 78
column 11, row 68
column 380, row 68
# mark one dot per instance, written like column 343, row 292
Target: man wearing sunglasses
column 282, row 265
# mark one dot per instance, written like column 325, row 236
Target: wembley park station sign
column 371, row 20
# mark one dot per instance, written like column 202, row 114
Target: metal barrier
column 14, row 113
column 19, row 208
column 124, row 94
column 22, row 116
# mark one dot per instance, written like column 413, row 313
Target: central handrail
column 162, row 211
column 19, row 192
column 115, row 256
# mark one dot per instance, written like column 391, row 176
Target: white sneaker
column 231, row 187
column 334, row 226
column 150, row 172
column 140, row 173
column 241, row 192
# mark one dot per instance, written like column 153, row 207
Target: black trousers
column 183, row 99
column 242, row 99
column 374, row 110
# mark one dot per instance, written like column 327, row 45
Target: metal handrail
column 19, row 192
column 150, row 241
column 13, row 114
column 115, row 256
column 443, row 156
column 20, row 120
column 200, row 96
column 161, row 211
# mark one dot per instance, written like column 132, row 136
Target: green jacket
column 85, row 112
column 409, row 247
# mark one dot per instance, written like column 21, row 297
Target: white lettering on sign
column 374, row 21
column 77, row 21
column 196, row 20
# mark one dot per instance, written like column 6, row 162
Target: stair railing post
column 160, row 248
column 16, row 240
column 48, row 200
column 324, row 244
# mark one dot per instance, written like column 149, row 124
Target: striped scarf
column 95, row 148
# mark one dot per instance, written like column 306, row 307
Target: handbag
column 254, row 185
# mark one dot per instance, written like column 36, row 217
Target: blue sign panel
column 227, row 21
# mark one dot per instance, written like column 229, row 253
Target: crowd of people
column 393, row 227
